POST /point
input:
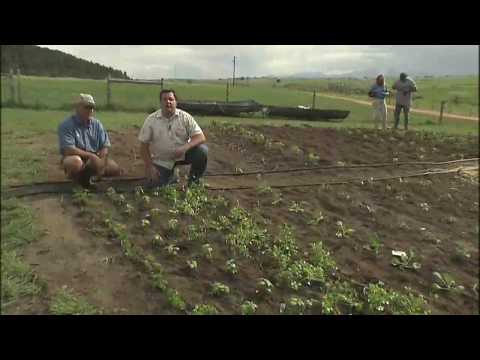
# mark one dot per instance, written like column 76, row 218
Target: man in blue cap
column 84, row 145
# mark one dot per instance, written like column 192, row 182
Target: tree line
column 35, row 60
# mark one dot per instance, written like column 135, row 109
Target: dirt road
column 417, row 111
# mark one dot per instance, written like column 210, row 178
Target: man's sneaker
column 85, row 178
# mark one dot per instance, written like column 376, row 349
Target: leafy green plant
column 192, row 264
column 264, row 189
column 139, row 192
column 81, row 197
column 284, row 246
column 157, row 240
column 321, row 257
column 249, row 308
column 128, row 210
column 207, row 251
column 219, row 289
column 403, row 260
column 316, row 219
column 170, row 193
column 245, row 234
column 159, row 281
column 297, row 306
column 204, row 309
column 341, row 298
column 446, row 282
column 175, row 300
column 173, row 225
column 296, row 207
column 384, row 301
column 343, row 231
column 195, row 233
column 155, row 212
column 264, row 287
column 232, row 267
column 374, row 245
column 301, row 273
column 296, row 150
column 172, row 249
column 424, row 206
column 277, row 198
column 312, row 159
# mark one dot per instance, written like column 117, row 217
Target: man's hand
column 180, row 151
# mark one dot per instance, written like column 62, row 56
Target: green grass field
column 58, row 93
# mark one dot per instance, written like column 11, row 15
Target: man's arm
column 195, row 140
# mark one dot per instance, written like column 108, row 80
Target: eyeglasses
column 89, row 107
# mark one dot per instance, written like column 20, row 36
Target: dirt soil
column 70, row 255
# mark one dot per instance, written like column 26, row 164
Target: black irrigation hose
column 67, row 186
column 339, row 182
column 374, row 165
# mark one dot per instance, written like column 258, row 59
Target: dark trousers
column 398, row 110
column 196, row 157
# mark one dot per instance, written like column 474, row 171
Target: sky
column 216, row 61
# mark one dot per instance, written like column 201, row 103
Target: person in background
column 84, row 145
column 379, row 92
column 405, row 86
column 171, row 137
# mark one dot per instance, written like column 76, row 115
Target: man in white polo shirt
column 171, row 137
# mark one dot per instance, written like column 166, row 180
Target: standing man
column 405, row 86
column 378, row 92
column 84, row 145
column 171, row 137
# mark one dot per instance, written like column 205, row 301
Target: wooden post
column 227, row 89
column 12, row 87
column 442, row 104
column 313, row 102
column 19, row 94
column 109, row 91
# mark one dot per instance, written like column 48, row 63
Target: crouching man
column 171, row 137
column 84, row 145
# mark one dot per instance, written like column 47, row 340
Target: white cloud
column 214, row 61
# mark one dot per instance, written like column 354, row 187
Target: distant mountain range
column 35, row 60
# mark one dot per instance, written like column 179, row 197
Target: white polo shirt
column 164, row 135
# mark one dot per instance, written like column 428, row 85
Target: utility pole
column 233, row 82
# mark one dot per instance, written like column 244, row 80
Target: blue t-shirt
column 73, row 133
column 379, row 92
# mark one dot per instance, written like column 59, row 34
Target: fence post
column 12, row 86
column 19, row 93
column 227, row 89
column 442, row 104
column 109, row 91
column 161, row 84
column 313, row 102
